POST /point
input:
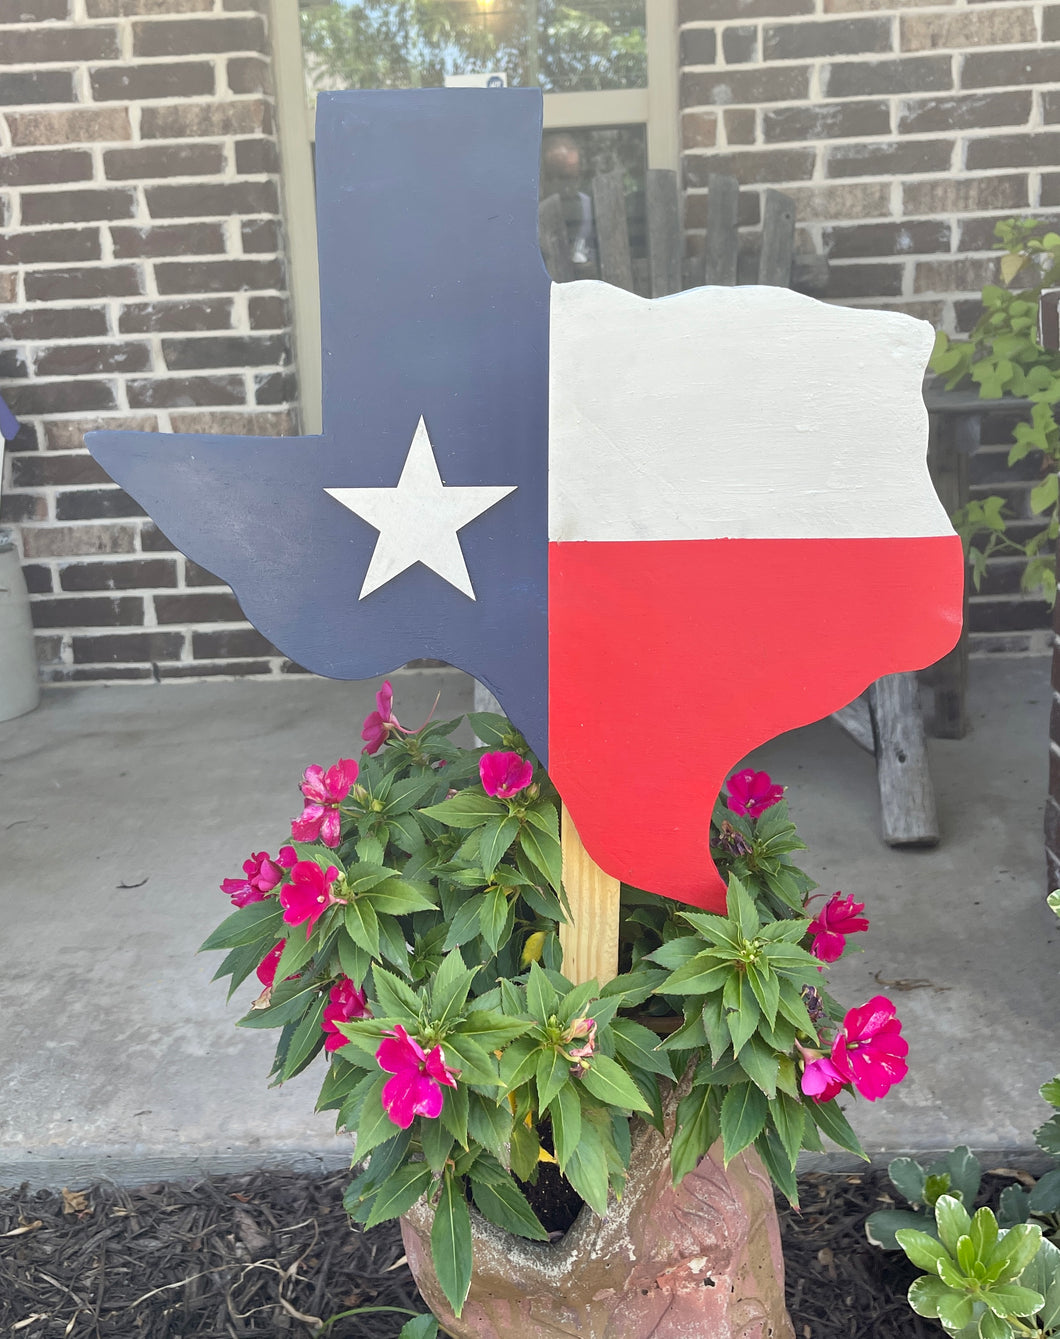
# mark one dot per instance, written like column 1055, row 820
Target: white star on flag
column 418, row 519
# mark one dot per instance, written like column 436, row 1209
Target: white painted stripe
column 743, row 413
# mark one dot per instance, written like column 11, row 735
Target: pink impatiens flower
column 309, row 894
column 324, row 792
column 260, row 876
column 504, row 774
column 267, row 967
column 415, row 1088
column 380, row 724
column 840, row 916
column 751, row 793
column 821, row 1080
column 870, row 1050
column 345, row 1001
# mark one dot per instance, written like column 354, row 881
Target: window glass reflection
column 585, row 46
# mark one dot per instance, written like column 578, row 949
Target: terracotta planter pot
column 699, row 1262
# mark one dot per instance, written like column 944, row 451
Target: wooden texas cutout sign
column 660, row 532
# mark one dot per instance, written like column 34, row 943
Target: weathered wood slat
column 553, row 239
column 612, row 233
column 856, row 719
column 722, row 241
column 907, row 795
column 664, row 232
column 590, row 939
column 778, row 239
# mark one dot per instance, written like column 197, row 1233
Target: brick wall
column 904, row 131
column 143, row 286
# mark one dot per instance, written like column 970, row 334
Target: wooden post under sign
column 590, row 940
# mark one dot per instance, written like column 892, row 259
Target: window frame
column 655, row 107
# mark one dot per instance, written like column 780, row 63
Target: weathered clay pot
column 699, row 1262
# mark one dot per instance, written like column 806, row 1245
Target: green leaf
column 490, row 727
column 953, row 1221
column 1047, row 1136
column 925, row 1294
column 702, row 975
column 451, row 1242
column 362, row 925
column 420, row 1327
column 1011, row 1300
column 566, row 1114
column 772, row 1154
column 502, row 1202
column 637, row 1045
column 490, row 1028
column 743, row 1013
column 353, row 960
column 494, row 917
column 553, row 1071
column 437, row 1141
column 965, row 1174
column 396, row 999
column 525, row 1147
column 407, row 793
column 697, row 1129
column 489, row 1122
column 452, row 981
column 363, row 876
column 497, row 836
column 1050, row 1091
column 544, row 852
column 743, row 914
column 955, row 1311
column 467, row 809
column 789, row 1119
column 766, row 989
column 398, row 897
column 249, row 925
column 994, row 1327
column 455, row 1108
column 761, row 1065
column 1044, row 495
column 828, row 1117
column 907, row 1177
column 587, row 1169
column 743, row 1114
column 542, row 1000
column 399, row 1192
column 1045, row 1197
column 307, row 1040
column 1015, row 1250
column 608, row 1082
column 882, row 1227
column 374, row 1127
column 465, row 924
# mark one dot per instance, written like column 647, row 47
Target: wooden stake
column 590, row 942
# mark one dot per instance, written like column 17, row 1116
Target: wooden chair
column 887, row 719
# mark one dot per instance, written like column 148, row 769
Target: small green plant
column 981, row 1282
column 958, row 1175
column 1003, row 356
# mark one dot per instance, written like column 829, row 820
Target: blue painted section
column 434, row 302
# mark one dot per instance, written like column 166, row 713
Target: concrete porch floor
column 124, row 807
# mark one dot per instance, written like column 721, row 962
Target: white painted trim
column 663, row 74
column 614, row 106
column 294, row 131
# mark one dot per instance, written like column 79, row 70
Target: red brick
column 1013, row 150
column 70, row 125
column 20, row 88
column 1008, row 69
column 12, row 365
column 828, row 38
column 194, row 37
column 249, row 74
column 122, row 647
column 1004, row 26
column 699, row 130
column 185, row 392
column 275, row 388
column 228, row 642
column 199, row 669
column 138, row 83
column 49, row 244
column 834, row 120
column 261, row 235
column 1011, row 108
column 42, row 167
column 203, row 120
column 36, row 11
column 889, row 159
column 77, row 206
column 134, row 574
column 235, row 424
column 224, row 351
column 194, row 575
column 723, row 87
column 699, row 46
column 57, row 43
column 99, row 281
column 52, row 469
column 965, row 195
column 865, row 281
column 95, row 504
column 268, row 313
column 192, row 314
column 38, row 578
column 693, row 11
column 65, row 434
column 740, row 45
column 200, row 607
column 218, row 276
column 739, row 125
column 87, row 611
column 62, row 397
column 54, row 673
column 147, row 162
column 768, row 166
column 75, row 360
column 210, row 200
column 257, row 156
column 72, row 541
column 118, row 9
column 184, row 239
column 152, row 540
column 957, row 274
column 886, row 239
column 870, row 78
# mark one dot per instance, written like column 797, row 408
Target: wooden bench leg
column 952, row 440
column 907, row 795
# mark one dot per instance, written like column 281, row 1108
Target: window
column 607, row 68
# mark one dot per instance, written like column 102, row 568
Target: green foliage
column 980, row 1281
column 958, row 1175
column 1004, row 357
column 442, row 928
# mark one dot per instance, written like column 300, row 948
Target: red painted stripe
column 670, row 661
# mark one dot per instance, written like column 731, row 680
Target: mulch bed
column 273, row 1253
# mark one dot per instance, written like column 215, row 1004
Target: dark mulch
column 272, row 1253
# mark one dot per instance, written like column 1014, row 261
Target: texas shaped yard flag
column 661, row 532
